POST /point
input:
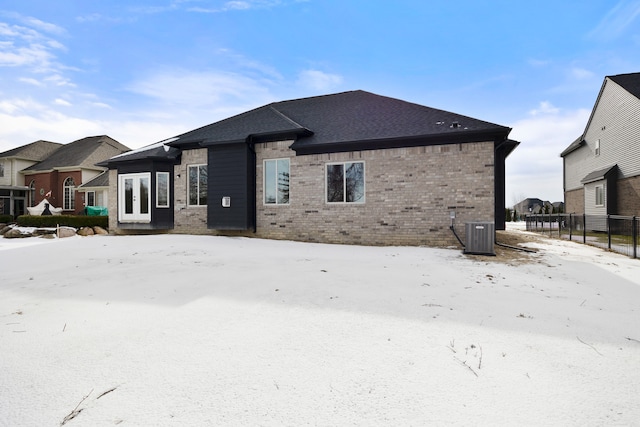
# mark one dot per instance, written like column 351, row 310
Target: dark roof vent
column 455, row 125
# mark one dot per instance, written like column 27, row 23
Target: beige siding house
column 602, row 166
column 15, row 194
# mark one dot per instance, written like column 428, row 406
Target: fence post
column 570, row 226
column 634, row 231
column 609, row 231
column 584, row 228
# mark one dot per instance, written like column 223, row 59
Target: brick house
column 601, row 168
column 351, row 167
column 59, row 175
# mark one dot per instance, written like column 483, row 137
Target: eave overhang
column 400, row 142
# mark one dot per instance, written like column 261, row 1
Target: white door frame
column 131, row 197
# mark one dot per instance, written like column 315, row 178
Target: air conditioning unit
column 480, row 238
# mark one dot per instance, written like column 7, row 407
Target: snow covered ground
column 176, row 330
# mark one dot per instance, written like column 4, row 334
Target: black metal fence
column 616, row 233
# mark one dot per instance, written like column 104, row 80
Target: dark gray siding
column 231, row 174
column 161, row 218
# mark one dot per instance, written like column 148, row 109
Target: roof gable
column 630, row 82
column 80, row 153
column 36, row 151
column 577, row 143
column 259, row 122
column 101, row 180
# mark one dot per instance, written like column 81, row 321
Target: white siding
column 5, row 179
column 88, row 175
column 616, row 123
column 590, row 207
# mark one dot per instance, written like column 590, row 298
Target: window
column 32, row 193
column 69, row 194
column 91, row 198
column 600, row 195
column 345, row 182
column 197, row 185
column 1, row 169
column 597, row 150
column 276, row 182
column 162, row 189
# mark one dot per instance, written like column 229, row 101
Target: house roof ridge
column 287, row 118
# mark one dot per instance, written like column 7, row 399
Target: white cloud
column 545, row 107
column 207, row 89
column 62, row 102
column 237, row 5
column 318, row 80
column 59, row 80
column 43, row 26
column 30, row 81
column 538, row 62
column 616, row 21
column 581, row 73
column 24, row 121
column 26, row 47
column 92, row 17
column 100, row 105
column 534, row 169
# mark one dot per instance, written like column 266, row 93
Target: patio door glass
column 134, row 201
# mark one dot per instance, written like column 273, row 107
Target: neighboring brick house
column 15, row 194
column 59, row 175
column 602, row 167
column 351, row 167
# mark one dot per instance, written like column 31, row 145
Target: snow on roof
column 148, row 147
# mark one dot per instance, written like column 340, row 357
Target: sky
column 142, row 71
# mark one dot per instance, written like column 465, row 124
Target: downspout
column 495, row 181
column 254, row 210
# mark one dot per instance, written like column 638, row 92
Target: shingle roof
column 630, row 82
column 36, row 151
column 85, row 152
column 157, row 151
column 598, row 175
column 579, row 142
column 101, row 180
column 341, row 120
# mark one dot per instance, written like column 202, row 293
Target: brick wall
column 574, row 201
column 113, row 201
column 409, row 194
column 188, row 219
column 629, row 196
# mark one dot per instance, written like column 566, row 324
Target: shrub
column 5, row 219
column 76, row 221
